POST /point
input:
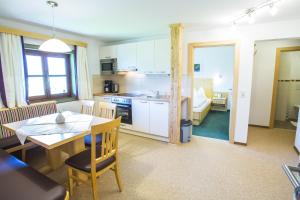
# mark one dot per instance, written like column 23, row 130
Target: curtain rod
column 19, row 32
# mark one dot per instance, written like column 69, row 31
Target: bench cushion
column 88, row 140
column 9, row 142
column 82, row 160
column 19, row 181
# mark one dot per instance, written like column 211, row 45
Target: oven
column 108, row 66
column 123, row 109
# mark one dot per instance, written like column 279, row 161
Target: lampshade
column 55, row 45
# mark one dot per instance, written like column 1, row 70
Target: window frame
column 46, row 76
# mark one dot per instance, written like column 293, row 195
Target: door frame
column 233, row 111
column 275, row 81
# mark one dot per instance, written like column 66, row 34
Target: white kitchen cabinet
column 297, row 139
column 103, row 99
column 140, row 115
column 162, row 56
column 145, row 57
column 108, row 52
column 159, row 118
column 127, row 56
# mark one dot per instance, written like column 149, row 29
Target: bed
column 203, row 92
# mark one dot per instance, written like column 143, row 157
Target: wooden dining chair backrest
column 87, row 107
column 105, row 110
column 109, row 146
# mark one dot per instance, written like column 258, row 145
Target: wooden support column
column 176, row 77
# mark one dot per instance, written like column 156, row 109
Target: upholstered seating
column 19, row 181
column 8, row 140
column 82, row 161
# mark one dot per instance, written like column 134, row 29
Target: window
column 48, row 75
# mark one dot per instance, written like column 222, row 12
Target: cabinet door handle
column 159, row 103
column 144, row 102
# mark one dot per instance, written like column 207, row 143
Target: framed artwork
column 196, row 67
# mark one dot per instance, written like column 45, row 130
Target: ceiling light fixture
column 249, row 13
column 54, row 44
column 273, row 9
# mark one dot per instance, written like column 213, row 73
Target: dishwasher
column 293, row 173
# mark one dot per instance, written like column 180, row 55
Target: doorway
column 286, row 89
column 213, row 102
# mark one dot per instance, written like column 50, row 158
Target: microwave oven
column 108, row 66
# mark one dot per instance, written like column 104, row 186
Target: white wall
column 216, row 62
column 246, row 36
column 263, row 77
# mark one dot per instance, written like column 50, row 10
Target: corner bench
column 19, row 181
column 8, row 140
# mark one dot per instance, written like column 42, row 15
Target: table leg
column 55, row 158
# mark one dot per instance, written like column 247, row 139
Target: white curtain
column 13, row 69
column 1, row 103
column 83, row 75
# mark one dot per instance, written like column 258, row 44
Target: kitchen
column 135, row 76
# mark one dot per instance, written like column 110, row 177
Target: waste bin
column 185, row 130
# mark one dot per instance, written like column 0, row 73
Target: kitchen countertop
column 164, row 98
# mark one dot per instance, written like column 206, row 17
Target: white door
column 140, row 115
column 126, row 55
column 145, row 56
column 159, row 118
column 162, row 56
column 108, row 52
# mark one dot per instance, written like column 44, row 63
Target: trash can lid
column 184, row 123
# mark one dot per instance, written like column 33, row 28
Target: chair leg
column 23, row 155
column 117, row 174
column 94, row 186
column 70, row 180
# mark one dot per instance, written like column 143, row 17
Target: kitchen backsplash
column 135, row 83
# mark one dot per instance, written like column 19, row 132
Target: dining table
column 61, row 140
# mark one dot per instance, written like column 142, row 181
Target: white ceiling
column 128, row 19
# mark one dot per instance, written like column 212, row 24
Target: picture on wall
column 196, row 67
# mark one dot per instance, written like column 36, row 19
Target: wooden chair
column 98, row 159
column 87, row 107
column 104, row 110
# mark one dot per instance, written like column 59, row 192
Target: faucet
column 156, row 93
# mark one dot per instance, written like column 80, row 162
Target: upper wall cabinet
column 162, row 56
column 108, row 52
column 148, row 57
column 145, row 57
column 127, row 56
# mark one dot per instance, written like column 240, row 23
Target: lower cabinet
column 151, row 117
column 159, row 118
column 140, row 115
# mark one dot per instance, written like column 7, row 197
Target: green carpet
column 215, row 125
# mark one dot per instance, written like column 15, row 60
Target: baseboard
column 145, row 135
column 258, row 126
column 295, row 148
column 240, row 143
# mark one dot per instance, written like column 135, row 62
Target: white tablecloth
column 46, row 125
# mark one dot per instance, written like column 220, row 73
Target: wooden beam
column 38, row 36
column 176, row 78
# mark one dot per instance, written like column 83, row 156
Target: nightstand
column 219, row 104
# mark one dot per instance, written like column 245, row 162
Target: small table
column 219, row 104
column 58, row 144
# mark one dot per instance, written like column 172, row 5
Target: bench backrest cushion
column 10, row 115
